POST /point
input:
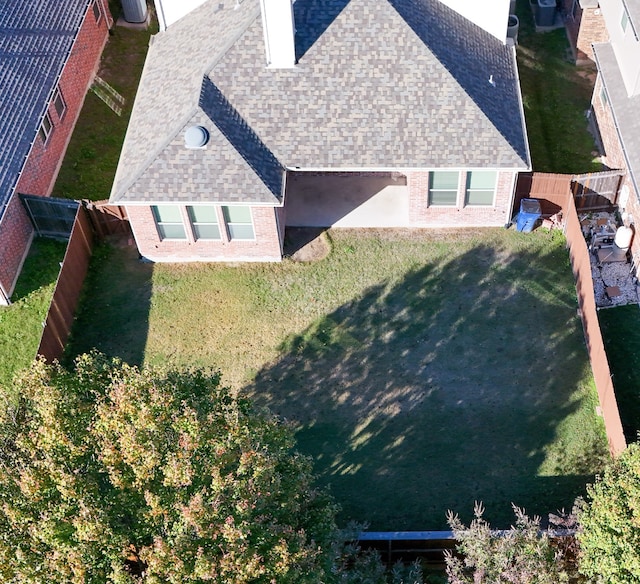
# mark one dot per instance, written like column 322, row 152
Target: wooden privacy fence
column 581, row 266
column 68, row 287
column 92, row 220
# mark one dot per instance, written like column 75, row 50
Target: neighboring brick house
column 50, row 52
column 585, row 26
column 616, row 103
column 260, row 114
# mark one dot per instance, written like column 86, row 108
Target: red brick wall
column 422, row 215
column 586, row 27
column 16, row 234
column 614, row 158
column 43, row 163
column 267, row 245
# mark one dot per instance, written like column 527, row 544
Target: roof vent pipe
column 279, row 33
column 196, row 137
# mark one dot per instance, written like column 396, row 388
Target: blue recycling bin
column 529, row 215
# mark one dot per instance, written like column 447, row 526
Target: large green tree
column 110, row 473
column 609, row 534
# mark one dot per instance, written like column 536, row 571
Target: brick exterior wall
column 614, row 158
column 266, row 247
column 584, row 27
column 16, row 233
column 423, row 215
column 44, row 160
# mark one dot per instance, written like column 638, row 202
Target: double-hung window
column 443, row 187
column 59, row 104
column 46, row 128
column 481, row 187
column 169, row 222
column 97, row 12
column 239, row 222
column 204, row 222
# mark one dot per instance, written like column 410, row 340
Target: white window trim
column 193, row 223
column 229, row 223
column 466, row 192
column 43, row 133
column 457, row 191
column 159, row 223
column 96, row 4
column 58, row 96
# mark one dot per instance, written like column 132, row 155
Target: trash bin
column 530, row 213
column 546, row 13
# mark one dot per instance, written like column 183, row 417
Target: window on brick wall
column 46, row 128
column 443, row 187
column 603, row 96
column 169, row 222
column 481, row 187
column 239, row 222
column 59, row 104
column 204, row 222
column 97, row 12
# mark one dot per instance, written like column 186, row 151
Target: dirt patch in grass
column 306, row 244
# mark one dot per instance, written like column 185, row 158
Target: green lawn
column 92, row 156
column 422, row 370
column 621, row 332
column 556, row 95
column 21, row 323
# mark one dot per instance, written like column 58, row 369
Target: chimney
column 279, row 32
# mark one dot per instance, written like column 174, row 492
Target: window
column 169, row 221
column 239, row 222
column 624, row 21
column 204, row 221
column 97, row 13
column 45, row 128
column 603, row 96
column 443, row 187
column 481, row 187
column 59, row 104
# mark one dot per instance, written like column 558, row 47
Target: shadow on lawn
column 113, row 318
column 444, row 389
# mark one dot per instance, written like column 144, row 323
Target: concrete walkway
column 347, row 200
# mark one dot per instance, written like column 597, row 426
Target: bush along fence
column 562, row 193
column 91, row 222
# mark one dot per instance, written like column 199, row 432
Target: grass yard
column 92, row 156
column 421, row 370
column 556, row 95
column 21, row 323
column 621, row 332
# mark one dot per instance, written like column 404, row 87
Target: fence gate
column 51, row 217
column 597, row 190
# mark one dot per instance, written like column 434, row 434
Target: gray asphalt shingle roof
column 625, row 109
column 380, row 84
column 36, row 37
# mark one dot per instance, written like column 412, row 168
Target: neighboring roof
column 379, row 84
column 36, row 37
column 625, row 109
column 633, row 11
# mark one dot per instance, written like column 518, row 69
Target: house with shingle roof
column 255, row 115
column 49, row 53
column 616, row 103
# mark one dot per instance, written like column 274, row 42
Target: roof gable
column 36, row 38
column 379, row 84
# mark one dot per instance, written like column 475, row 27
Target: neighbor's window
column 481, row 187
column 603, row 96
column 624, row 21
column 443, row 187
column 59, row 104
column 97, row 13
column 204, row 221
column 46, row 127
column 239, row 222
column 169, row 221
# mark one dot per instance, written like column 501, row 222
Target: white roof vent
column 196, row 137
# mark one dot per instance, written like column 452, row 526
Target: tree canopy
column 609, row 535
column 114, row 474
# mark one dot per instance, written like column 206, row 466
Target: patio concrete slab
column 347, row 200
